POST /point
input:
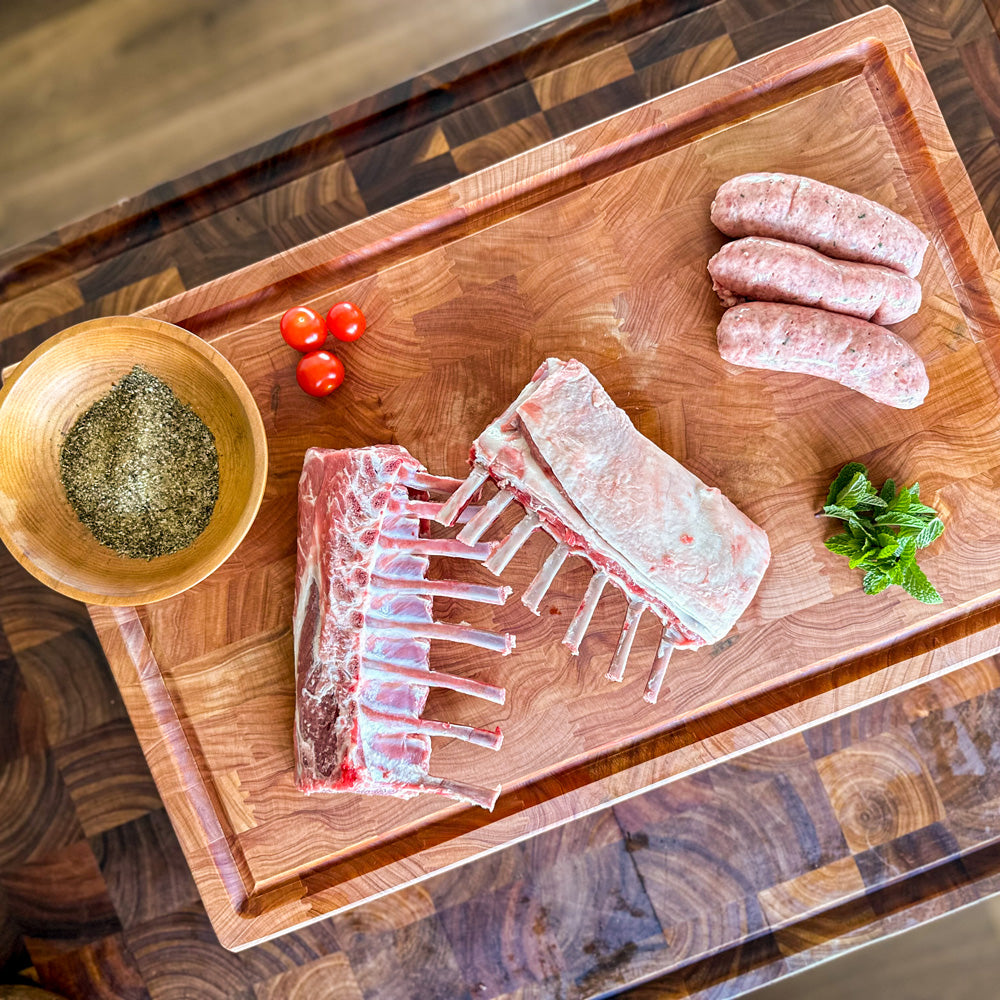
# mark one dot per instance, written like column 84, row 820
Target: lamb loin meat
column 605, row 492
column 363, row 624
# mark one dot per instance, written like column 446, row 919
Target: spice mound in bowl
column 132, row 461
column 141, row 469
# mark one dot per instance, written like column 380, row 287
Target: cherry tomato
column 345, row 321
column 319, row 373
column 303, row 328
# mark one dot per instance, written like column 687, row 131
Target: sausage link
column 756, row 267
column 857, row 354
column 824, row 217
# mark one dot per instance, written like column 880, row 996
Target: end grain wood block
column 880, row 790
column 592, row 247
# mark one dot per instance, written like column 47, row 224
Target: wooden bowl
column 43, row 398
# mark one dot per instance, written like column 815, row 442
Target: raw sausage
column 827, row 218
column 756, row 267
column 850, row 351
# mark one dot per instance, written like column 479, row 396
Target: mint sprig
column 884, row 530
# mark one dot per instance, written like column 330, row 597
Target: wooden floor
column 105, row 98
column 954, row 958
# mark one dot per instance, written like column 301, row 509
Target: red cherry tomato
column 319, row 373
column 303, row 328
column 345, row 321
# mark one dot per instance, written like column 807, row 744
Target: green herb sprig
column 884, row 530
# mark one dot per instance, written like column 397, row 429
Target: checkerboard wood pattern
column 727, row 879
column 592, row 246
column 95, row 898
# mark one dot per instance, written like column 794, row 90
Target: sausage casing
column 853, row 352
column 769, row 270
column 826, row 218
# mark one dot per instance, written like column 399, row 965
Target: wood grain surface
column 581, row 909
column 591, row 247
column 112, row 97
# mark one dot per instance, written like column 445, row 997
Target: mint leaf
column 871, row 502
column 846, row 474
column 900, row 520
column 844, row 513
column 916, row 584
column 860, row 559
column 843, row 545
column 897, row 574
column 856, row 525
column 888, row 492
column 875, row 581
column 857, row 490
column 902, row 501
column 929, row 533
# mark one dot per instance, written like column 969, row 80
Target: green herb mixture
column 884, row 530
column 140, row 469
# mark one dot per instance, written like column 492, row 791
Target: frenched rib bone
column 363, row 625
column 603, row 491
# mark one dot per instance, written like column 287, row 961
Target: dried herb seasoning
column 140, row 469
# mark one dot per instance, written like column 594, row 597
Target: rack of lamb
column 363, row 623
column 603, row 491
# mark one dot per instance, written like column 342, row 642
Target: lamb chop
column 603, row 491
column 363, row 624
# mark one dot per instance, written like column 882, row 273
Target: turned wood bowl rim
column 216, row 366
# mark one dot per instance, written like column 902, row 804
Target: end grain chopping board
column 593, row 246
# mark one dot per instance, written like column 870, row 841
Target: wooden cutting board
column 593, row 246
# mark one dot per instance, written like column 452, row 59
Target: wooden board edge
column 295, row 152
column 168, row 749
column 242, row 916
column 473, row 202
column 548, row 820
column 960, row 236
column 238, row 931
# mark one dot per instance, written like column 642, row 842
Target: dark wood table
column 737, row 875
